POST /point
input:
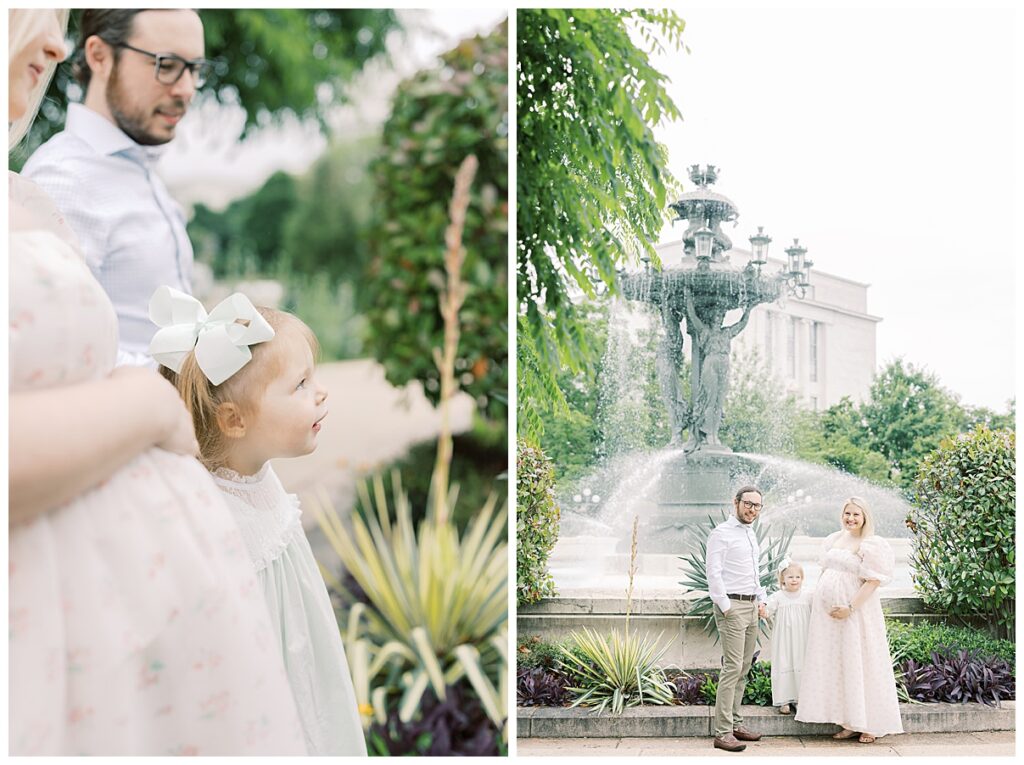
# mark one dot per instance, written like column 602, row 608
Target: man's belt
column 734, row 596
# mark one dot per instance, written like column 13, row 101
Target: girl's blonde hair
column 792, row 564
column 868, row 529
column 23, row 25
column 243, row 389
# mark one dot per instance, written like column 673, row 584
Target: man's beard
column 133, row 125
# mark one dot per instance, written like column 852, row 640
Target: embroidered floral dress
column 847, row 677
column 790, row 613
column 304, row 621
column 135, row 625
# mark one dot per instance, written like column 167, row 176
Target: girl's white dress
column 790, row 613
column 847, row 677
column 304, row 621
column 134, row 622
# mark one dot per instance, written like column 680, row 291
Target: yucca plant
column 619, row 670
column 438, row 604
column 774, row 549
column 435, row 603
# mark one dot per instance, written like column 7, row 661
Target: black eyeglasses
column 169, row 66
column 748, row 505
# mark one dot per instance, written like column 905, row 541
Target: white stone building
column 820, row 348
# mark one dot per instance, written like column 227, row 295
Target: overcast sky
column 884, row 140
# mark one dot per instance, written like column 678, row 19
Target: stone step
column 697, row 721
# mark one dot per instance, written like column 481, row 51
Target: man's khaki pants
column 737, row 629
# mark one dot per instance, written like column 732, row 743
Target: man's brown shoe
column 746, row 735
column 729, row 743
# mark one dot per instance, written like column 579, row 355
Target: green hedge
column 917, row 641
column 537, row 518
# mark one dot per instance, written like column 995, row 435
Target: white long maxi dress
column 134, row 624
column 847, row 677
column 300, row 609
column 791, row 614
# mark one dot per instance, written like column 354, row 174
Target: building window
column 791, row 347
column 814, row 403
column 768, row 340
column 813, row 360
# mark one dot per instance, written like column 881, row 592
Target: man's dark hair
column 113, row 26
column 743, row 490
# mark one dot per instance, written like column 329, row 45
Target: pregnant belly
column 152, row 544
column 835, row 588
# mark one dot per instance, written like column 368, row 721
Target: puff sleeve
column 827, row 545
column 876, row 560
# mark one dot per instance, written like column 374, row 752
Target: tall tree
column 907, row 415
column 592, row 182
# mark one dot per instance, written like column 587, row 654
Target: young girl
column 250, row 385
column 790, row 610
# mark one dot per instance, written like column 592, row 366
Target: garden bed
column 937, row 666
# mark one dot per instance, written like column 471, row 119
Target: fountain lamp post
column 700, row 291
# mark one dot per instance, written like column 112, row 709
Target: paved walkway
column 993, row 744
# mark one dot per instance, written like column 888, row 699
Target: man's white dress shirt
column 732, row 563
column 132, row 232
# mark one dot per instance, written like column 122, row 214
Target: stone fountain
column 697, row 294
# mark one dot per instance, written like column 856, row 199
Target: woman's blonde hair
column 23, row 25
column 243, row 389
column 868, row 529
column 791, row 564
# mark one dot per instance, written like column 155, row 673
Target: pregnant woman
column 847, row 675
column 135, row 624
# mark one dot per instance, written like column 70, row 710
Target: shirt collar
column 107, row 138
column 734, row 522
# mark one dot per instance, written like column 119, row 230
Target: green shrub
column 759, row 685
column 917, row 641
column 533, row 652
column 537, row 518
column 710, row 689
column 963, row 525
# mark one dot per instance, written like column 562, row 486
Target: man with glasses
column 740, row 601
column 139, row 70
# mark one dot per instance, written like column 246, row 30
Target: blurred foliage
column 328, row 229
column 273, row 62
column 592, row 182
column 249, row 231
column 963, row 525
column 440, row 116
column 479, row 468
column 329, row 309
column 318, row 222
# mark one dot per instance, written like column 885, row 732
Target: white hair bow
column 784, row 564
column 221, row 339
